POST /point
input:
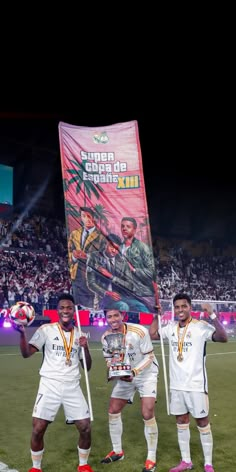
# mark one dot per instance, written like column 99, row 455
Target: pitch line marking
column 166, row 355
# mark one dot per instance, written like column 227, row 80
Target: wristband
column 213, row 316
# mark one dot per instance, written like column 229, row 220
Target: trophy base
column 119, row 370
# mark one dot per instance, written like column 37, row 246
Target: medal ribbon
column 181, row 340
column 66, row 347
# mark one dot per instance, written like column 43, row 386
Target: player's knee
column 84, row 427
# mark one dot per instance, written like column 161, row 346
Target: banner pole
column 85, row 366
column 164, row 366
column 158, row 307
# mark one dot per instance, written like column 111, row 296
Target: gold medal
column 180, row 357
column 181, row 340
column 68, row 348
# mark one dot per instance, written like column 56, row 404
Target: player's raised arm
column 27, row 349
column 153, row 329
column 220, row 334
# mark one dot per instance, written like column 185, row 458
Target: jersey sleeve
column 39, row 338
column 146, row 345
column 165, row 330
column 146, row 348
column 208, row 329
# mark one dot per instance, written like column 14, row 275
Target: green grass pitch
column 19, row 384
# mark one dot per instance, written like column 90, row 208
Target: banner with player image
column 110, row 252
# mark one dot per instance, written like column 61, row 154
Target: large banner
column 109, row 242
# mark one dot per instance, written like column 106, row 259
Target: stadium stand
column 34, row 267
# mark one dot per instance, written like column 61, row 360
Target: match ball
column 22, row 313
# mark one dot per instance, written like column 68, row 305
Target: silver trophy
column 119, row 364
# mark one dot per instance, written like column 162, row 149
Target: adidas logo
column 201, row 412
column 56, row 338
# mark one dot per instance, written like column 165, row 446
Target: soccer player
column 144, row 373
column 188, row 378
column 60, row 381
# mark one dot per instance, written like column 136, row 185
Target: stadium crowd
column 205, row 271
column 34, row 265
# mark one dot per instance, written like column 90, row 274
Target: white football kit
column 140, row 355
column 60, row 381
column 188, row 377
column 190, row 374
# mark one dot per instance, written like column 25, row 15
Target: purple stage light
column 7, row 323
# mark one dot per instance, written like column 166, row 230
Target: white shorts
column 53, row 393
column 146, row 386
column 195, row 403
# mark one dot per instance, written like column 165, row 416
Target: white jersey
column 48, row 339
column 189, row 374
column 138, row 349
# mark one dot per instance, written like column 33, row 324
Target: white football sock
column 151, row 435
column 36, row 457
column 207, row 443
column 83, row 455
column 183, row 433
column 116, row 430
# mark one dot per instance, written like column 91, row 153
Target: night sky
column 187, row 168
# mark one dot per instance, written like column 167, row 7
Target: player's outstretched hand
column 83, row 341
column 206, row 307
column 157, row 311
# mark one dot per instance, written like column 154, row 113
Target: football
column 22, row 313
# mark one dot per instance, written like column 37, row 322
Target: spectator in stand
column 2, row 297
column 11, row 296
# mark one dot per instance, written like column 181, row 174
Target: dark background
column 175, row 77
column 189, row 176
